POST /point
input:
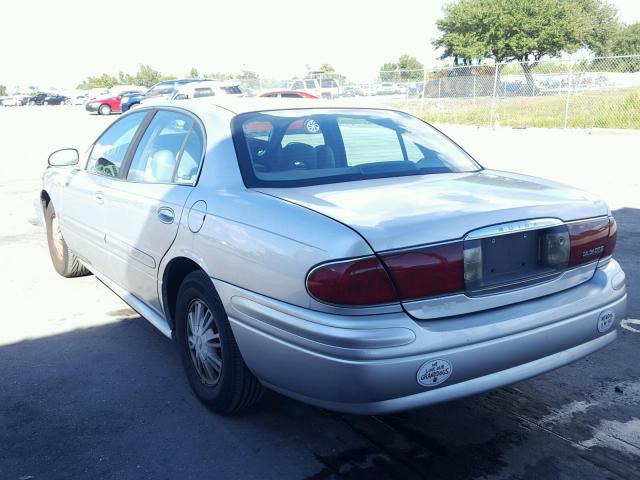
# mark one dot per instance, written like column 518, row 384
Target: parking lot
column 91, row 390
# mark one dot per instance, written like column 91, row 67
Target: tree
column 193, row 73
column 248, row 75
column 406, row 68
column 218, row 76
column 3, row 90
column 148, row 77
column 627, row 40
column 102, row 81
column 523, row 30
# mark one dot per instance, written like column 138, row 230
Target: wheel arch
column 45, row 199
column 174, row 273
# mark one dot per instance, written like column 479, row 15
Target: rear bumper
column 370, row 364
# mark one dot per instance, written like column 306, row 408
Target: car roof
column 237, row 106
column 260, row 104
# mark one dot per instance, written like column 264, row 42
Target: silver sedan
column 353, row 258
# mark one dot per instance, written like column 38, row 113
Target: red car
column 287, row 94
column 105, row 105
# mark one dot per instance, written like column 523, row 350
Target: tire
column 232, row 387
column 65, row 262
column 45, row 103
column 104, row 109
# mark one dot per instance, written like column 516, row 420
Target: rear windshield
column 293, row 148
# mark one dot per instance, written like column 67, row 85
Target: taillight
column 613, row 237
column 427, row 271
column 354, row 282
column 588, row 240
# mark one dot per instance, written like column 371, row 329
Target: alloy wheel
column 204, row 344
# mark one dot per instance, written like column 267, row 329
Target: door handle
column 99, row 196
column 166, row 215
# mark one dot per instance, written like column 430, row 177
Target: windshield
column 292, row 148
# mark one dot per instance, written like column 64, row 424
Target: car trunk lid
column 501, row 220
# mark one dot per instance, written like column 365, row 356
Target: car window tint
column 317, row 146
column 303, row 130
column 156, row 156
column 202, row 92
column 310, row 84
column 290, row 95
column 368, row 142
column 109, row 151
column 191, row 158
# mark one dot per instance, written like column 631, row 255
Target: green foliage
column 193, row 73
column 506, row 30
column 102, row 81
column 627, row 40
column 146, row 76
column 248, row 75
column 3, row 90
column 218, row 76
column 405, row 69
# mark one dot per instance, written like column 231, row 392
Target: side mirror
column 181, row 96
column 64, row 158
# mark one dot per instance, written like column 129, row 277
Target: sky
column 69, row 40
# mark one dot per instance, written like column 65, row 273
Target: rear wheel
column 104, row 109
column 209, row 352
column 65, row 262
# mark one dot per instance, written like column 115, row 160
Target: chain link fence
column 601, row 92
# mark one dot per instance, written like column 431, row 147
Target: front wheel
column 65, row 262
column 104, row 109
column 209, row 352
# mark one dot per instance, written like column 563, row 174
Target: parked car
column 205, row 88
column 287, row 94
column 386, row 88
column 56, row 99
column 348, row 92
column 320, row 87
column 366, row 90
column 161, row 89
column 81, row 99
column 37, row 99
column 367, row 264
column 105, row 105
column 13, row 101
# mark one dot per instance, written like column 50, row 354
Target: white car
column 353, row 258
column 321, row 88
column 14, row 101
column 205, row 88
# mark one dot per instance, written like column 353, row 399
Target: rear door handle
column 99, row 196
column 166, row 215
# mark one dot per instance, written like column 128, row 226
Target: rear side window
column 190, row 158
column 157, row 155
column 293, row 148
column 310, row 84
column 109, row 151
column 232, row 89
column 203, row 92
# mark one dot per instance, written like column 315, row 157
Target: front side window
column 158, row 153
column 292, row 148
column 109, row 151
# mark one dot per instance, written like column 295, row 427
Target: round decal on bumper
column 434, row 372
column 605, row 320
